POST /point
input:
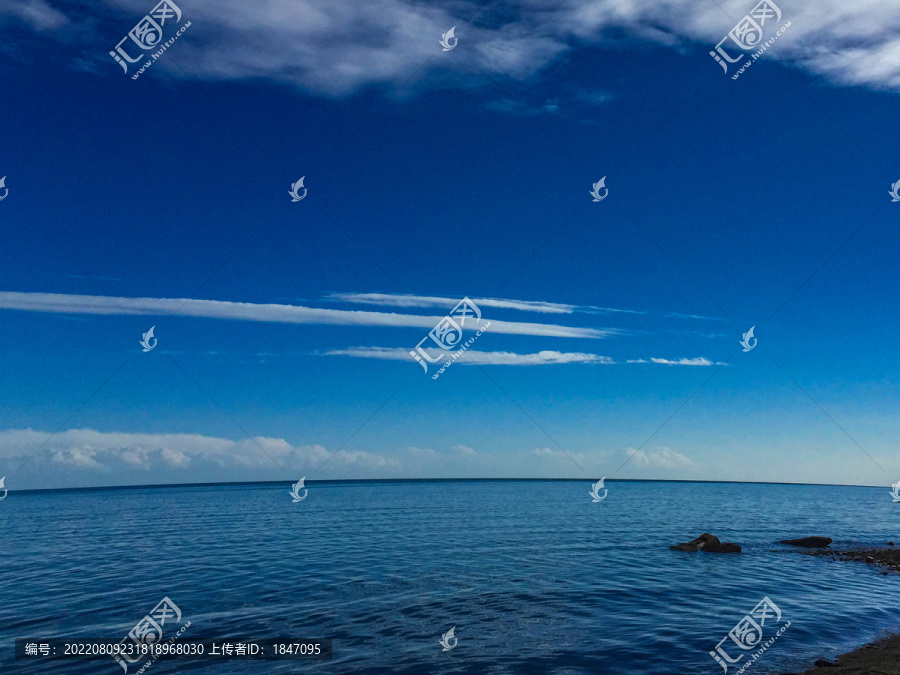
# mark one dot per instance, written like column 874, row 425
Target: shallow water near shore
column 533, row 575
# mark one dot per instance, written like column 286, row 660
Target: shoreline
column 881, row 656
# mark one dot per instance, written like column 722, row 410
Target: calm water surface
column 534, row 576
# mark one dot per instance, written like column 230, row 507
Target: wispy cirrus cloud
column 537, row 306
column 36, row 14
column 275, row 313
column 696, row 361
column 473, row 357
column 405, row 300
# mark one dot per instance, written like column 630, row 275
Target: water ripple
column 534, row 576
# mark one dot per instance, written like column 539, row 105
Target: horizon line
column 338, row 481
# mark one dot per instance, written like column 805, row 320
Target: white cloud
column 106, row 451
column 84, row 458
column 35, row 13
column 426, row 452
column 245, row 311
column 541, row 358
column 406, row 300
column 556, row 461
column 175, row 457
column 338, row 48
column 458, row 450
column 523, row 107
column 473, row 357
column 852, row 43
column 660, row 458
column 697, row 361
column 79, row 457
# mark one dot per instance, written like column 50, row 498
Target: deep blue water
column 535, row 577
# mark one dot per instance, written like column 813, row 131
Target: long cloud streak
column 474, row 357
column 245, row 311
column 399, row 300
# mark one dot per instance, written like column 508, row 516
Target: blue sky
column 284, row 328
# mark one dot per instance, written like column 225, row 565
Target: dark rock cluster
column 809, row 542
column 709, row 543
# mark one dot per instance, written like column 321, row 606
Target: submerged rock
column 709, row 543
column 722, row 547
column 884, row 557
column 689, row 546
column 808, row 542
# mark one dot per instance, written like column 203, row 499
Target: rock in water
column 722, row 547
column 688, row 546
column 709, row 543
column 809, row 542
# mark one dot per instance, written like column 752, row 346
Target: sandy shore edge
column 881, row 657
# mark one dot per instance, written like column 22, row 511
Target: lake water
column 532, row 574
